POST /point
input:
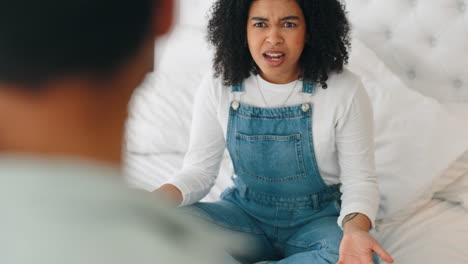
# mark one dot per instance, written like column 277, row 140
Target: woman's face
column 276, row 32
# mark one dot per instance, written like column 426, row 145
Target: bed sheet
column 436, row 233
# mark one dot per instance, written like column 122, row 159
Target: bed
column 412, row 57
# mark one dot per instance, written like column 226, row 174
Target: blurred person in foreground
column 67, row 71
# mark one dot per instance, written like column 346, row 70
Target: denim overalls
column 280, row 202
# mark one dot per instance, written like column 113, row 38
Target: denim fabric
column 279, row 201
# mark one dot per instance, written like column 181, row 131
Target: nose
column 274, row 37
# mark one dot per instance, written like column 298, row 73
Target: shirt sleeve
column 355, row 146
column 207, row 143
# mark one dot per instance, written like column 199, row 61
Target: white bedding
column 436, row 233
column 414, row 228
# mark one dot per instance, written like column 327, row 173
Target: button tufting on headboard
column 461, row 6
column 388, row 34
column 458, row 84
column 424, row 42
column 411, row 74
column 432, row 41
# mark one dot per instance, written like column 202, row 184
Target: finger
column 342, row 260
column 367, row 259
column 345, row 260
column 348, row 262
column 382, row 253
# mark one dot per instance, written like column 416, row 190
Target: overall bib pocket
column 271, row 158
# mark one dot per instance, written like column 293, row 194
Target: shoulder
column 344, row 84
column 142, row 226
column 344, row 90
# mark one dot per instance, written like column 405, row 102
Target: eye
column 260, row 24
column 289, row 25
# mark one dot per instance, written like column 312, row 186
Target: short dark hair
column 326, row 49
column 44, row 39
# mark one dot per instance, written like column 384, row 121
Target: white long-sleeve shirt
column 342, row 129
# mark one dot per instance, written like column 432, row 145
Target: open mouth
column 274, row 56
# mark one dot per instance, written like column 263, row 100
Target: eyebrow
column 282, row 19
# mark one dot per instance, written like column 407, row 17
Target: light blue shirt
column 62, row 211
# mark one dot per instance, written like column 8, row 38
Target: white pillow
column 194, row 12
column 457, row 191
column 159, row 116
column 416, row 138
column 160, row 111
column 459, row 110
column 186, row 51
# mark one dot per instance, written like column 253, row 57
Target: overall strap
column 308, row 87
column 238, row 88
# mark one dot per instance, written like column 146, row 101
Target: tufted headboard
column 424, row 42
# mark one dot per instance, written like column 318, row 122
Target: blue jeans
column 316, row 241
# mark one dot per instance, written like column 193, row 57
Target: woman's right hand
column 171, row 193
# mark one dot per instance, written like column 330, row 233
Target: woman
column 298, row 129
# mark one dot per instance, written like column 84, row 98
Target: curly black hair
column 326, row 49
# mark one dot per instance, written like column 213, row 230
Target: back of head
column 43, row 40
column 67, row 70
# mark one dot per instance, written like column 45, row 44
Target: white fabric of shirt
column 342, row 129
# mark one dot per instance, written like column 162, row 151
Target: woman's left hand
column 357, row 247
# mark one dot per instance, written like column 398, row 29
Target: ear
column 163, row 16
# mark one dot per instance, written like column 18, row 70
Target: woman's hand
column 357, row 246
column 170, row 192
